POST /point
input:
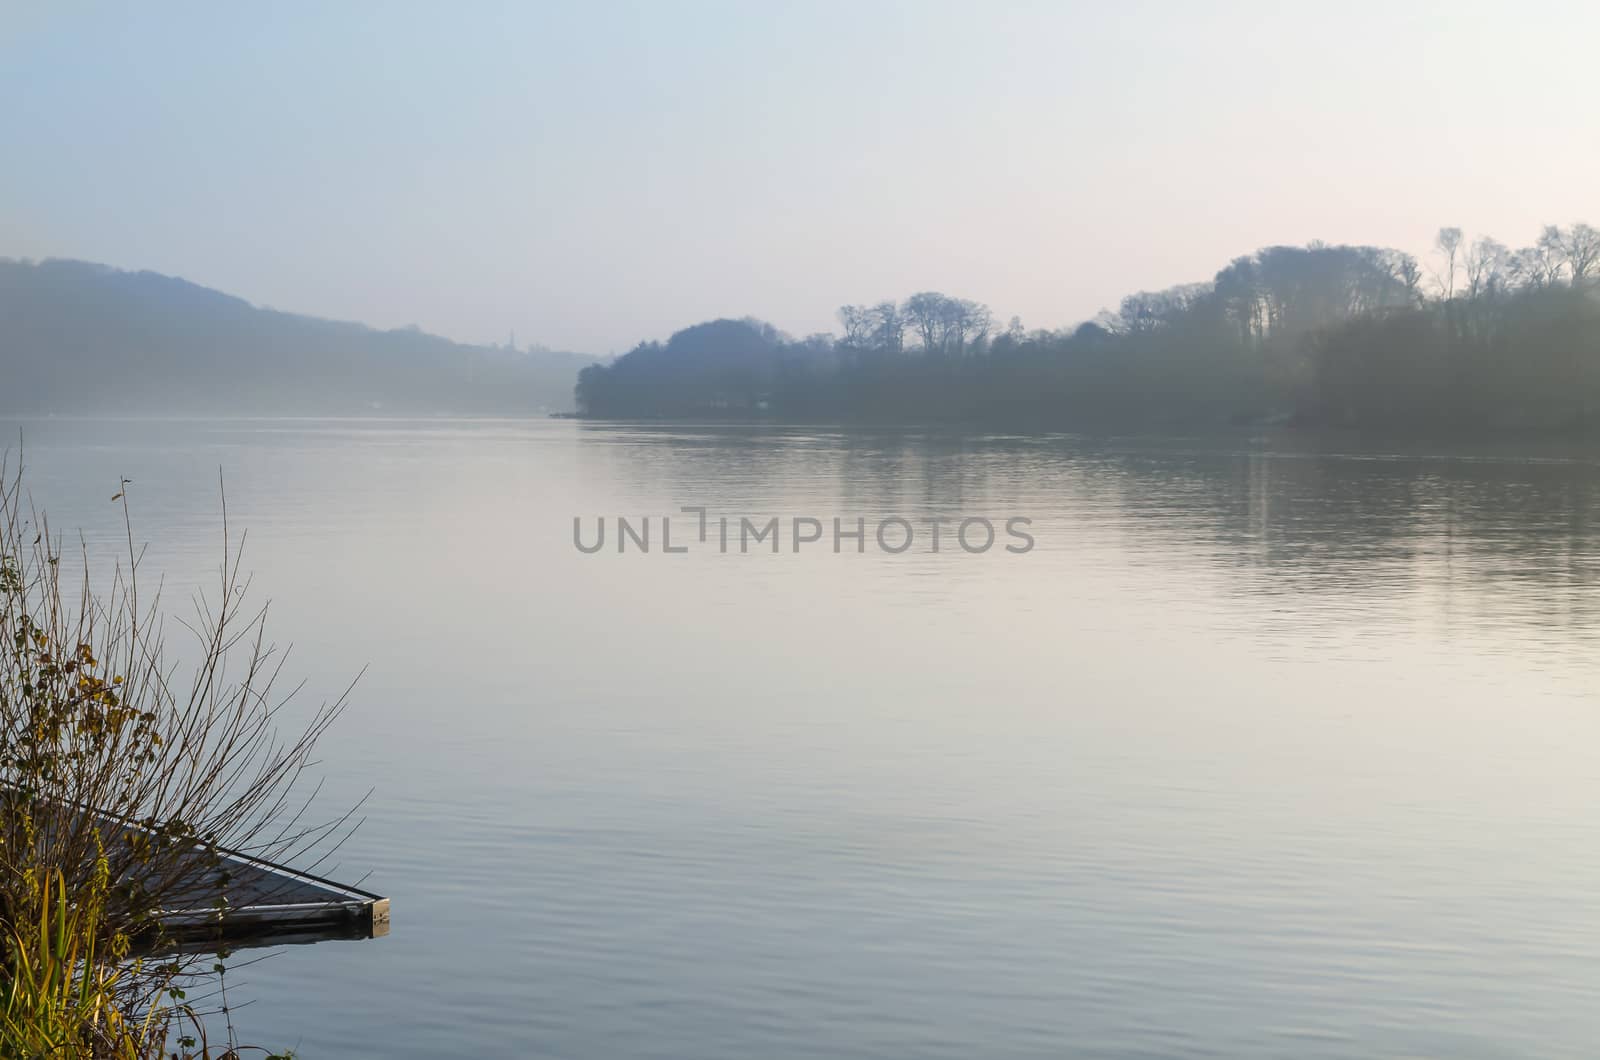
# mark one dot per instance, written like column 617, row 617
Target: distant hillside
column 76, row 337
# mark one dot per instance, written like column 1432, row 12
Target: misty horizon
column 612, row 174
column 1431, row 260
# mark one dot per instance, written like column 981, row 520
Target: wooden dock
column 239, row 899
column 272, row 904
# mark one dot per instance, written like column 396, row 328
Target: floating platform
column 239, row 899
column 272, row 904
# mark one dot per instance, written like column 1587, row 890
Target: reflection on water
column 1271, row 747
column 1303, row 518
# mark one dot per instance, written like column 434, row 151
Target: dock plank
column 241, row 897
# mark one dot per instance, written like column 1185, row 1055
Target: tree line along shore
column 1477, row 337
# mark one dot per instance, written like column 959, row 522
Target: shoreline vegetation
column 1481, row 339
column 94, row 715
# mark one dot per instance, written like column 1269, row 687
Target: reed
column 94, row 715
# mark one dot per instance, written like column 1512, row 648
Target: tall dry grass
column 123, row 777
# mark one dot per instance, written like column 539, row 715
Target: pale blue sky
column 593, row 175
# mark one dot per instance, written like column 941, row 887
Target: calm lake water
column 1268, row 749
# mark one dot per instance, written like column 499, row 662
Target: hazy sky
column 595, row 174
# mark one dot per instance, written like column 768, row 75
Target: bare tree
column 1551, row 258
column 1448, row 244
column 859, row 326
column 1538, row 265
column 1150, row 310
column 948, row 327
column 1485, row 267
column 889, row 327
column 1580, row 245
column 971, row 324
column 880, row 328
column 1407, row 273
column 925, row 314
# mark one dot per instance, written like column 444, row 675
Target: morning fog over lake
column 1270, row 747
column 701, row 530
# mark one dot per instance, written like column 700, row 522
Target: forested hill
column 81, row 338
column 1478, row 337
